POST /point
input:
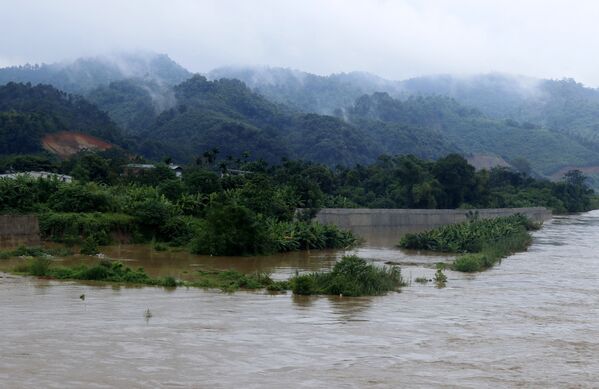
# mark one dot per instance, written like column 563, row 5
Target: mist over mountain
column 304, row 91
column 226, row 114
column 83, row 74
column 474, row 132
column 495, row 94
column 133, row 103
column 343, row 118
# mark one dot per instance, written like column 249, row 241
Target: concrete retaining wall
column 17, row 230
column 416, row 219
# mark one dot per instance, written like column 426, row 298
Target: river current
column 532, row 321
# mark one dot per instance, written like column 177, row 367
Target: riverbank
column 351, row 276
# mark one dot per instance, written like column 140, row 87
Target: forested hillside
column 305, row 91
column 470, row 130
column 275, row 113
column 560, row 112
column 133, row 103
column 227, row 115
column 29, row 112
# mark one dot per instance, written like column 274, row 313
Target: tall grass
column 483, row 242
column 300, row 235
column 492, row 253
column 469, row 236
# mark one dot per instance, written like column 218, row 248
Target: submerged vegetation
column 483, row 242
column 23, row 251
column 351, row 276
column 108, row 271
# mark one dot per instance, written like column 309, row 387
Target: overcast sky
column 395, row 39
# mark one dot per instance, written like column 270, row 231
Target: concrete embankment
column 17, row 230
column 365, row 222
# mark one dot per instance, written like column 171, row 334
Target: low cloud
column 395, row 39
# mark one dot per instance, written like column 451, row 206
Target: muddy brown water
column 532, row 321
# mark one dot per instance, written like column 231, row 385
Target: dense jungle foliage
column 553, row 123
column 238, row 207
column 28, row 112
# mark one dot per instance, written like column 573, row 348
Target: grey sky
column 395, row 39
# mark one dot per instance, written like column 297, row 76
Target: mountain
column 343, row 118
column 560, row 111
column 547, row 150
column 84, row 74
column 28, row 113
column 134, row 103
column 305, row 91
column 228, row 115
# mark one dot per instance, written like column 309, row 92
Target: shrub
column 232, row 230
column 159, row 246
column 80, row 198
column 468, row 263
column 179, row 230
column 90, row 246
column 169, row 282
column 352, row 276
column 152, row 213
column 71, row 227
column 304, row 284
column 440, row 277
column 39, row 267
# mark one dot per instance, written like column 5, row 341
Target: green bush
column 232, row 229
column 352, row 276
column 304, row 284
column 63, row 227
column 90, row 246
column 159, row 246
column 169, row 282
column 80, row 198
column 469, row 263
column 39, row 267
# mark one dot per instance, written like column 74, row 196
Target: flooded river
column 532, row 321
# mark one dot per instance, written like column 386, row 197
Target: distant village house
column 42, row 175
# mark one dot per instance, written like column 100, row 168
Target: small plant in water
column 158, row 246
column 169, row 282
column 89, row 247
column 39, row 267
column 440, row 277
column 148, row 314
column 422, row 280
